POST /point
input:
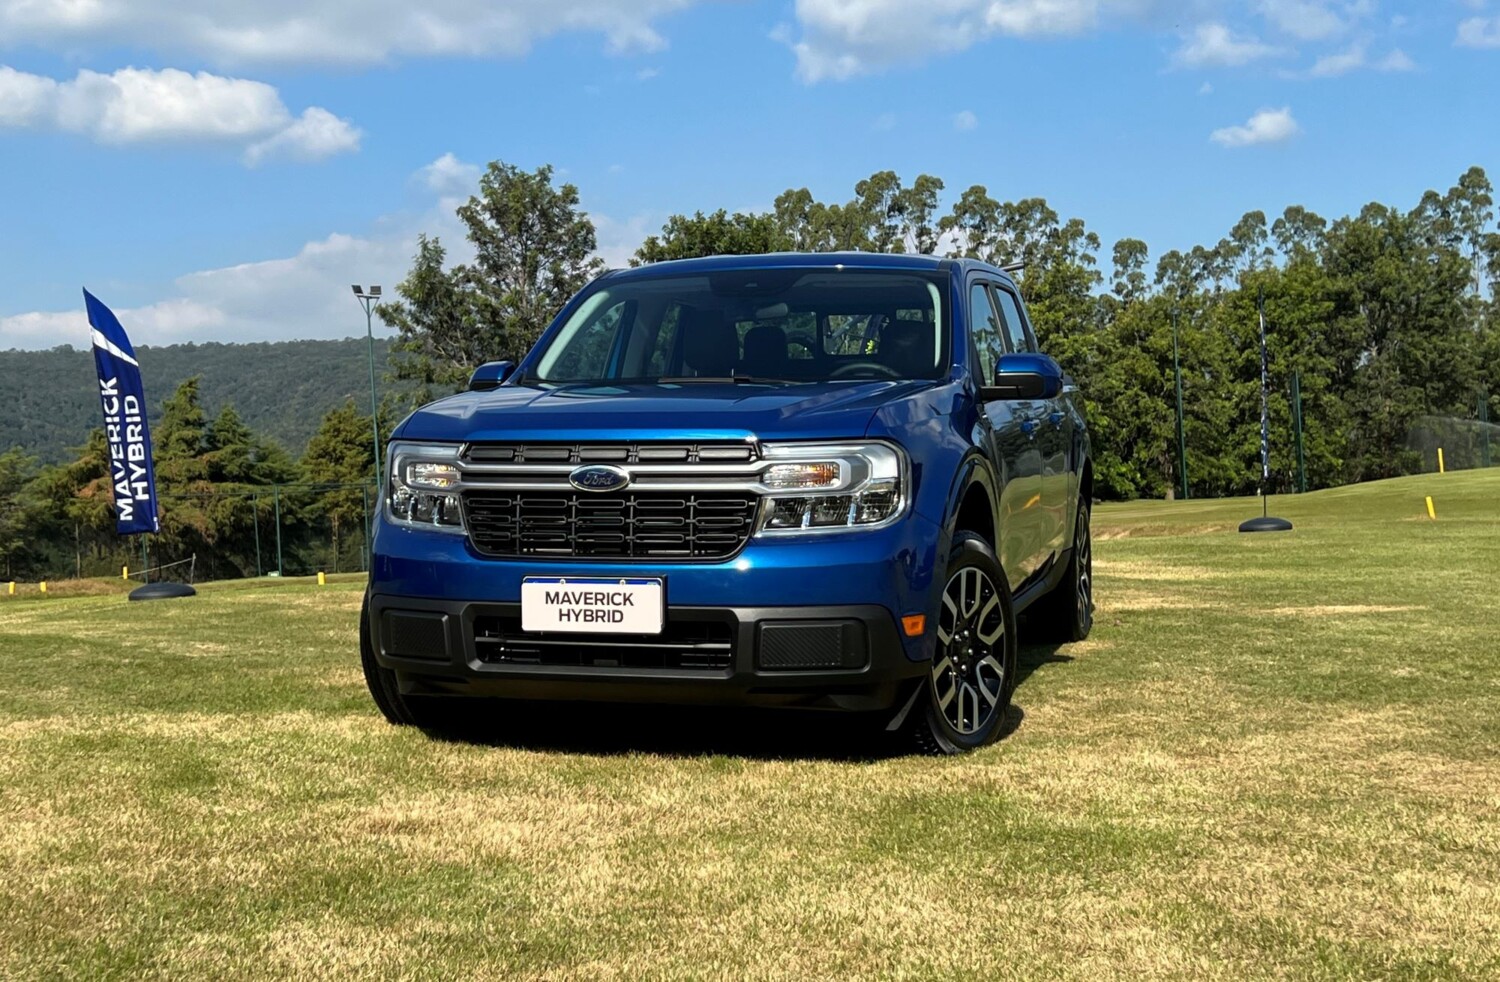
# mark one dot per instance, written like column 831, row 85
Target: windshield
column 753, row 325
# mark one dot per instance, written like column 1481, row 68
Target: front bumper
column 708, row 656
column 866, row 579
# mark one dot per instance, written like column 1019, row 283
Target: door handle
column 1057, row 419
column 1029, row 427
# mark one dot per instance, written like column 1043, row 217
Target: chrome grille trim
column 480, row 454
column 679, row 467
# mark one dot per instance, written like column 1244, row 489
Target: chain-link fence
column 1464, row 443
column 229, row 533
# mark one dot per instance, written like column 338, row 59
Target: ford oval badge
column 599, row 477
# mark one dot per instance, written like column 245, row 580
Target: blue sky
column 225, row 174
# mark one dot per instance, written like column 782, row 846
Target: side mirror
column 490, row 375
column 1024, row 377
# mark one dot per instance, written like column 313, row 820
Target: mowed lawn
column 1278, row 756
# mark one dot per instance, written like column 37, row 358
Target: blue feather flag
column 122, row 397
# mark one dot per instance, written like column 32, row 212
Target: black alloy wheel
column 973, row 667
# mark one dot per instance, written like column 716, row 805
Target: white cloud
column 448, row 175
column 330, row 32
column 152, row 324
column 1479, row 32
column 1305, row 20
column 965, row 120
column 137, row 105
column 1214, row 45
column 1396, row 61
column 25, row 99
column 305, row 294
column 301, row 296
column 618, row 240
column 840, row 39
column 316, row 134
column 1266, row 126
column 1353, row 59
column 1339, row 63
column 1027, row 18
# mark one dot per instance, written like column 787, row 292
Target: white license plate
column 592, row 606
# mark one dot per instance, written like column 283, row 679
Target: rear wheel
column 1067, row 613
column 973, row 670
column 384, row 689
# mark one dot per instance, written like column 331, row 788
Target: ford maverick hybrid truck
column 825, row 481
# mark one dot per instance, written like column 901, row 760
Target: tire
column 1067, row 613
column 973, row 671
column 397, row 709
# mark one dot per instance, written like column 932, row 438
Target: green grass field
column 1278, row 757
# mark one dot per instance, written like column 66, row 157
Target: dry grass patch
column 1140, row 601
column 61, row 589
column 1340, row 610
column 1152, row 571
column 1157, row 530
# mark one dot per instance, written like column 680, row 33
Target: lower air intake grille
column 683, row 645
column 655, row 524
column 415, row 634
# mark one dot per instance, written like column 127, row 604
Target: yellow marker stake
column 1431, row 511
column 1441, row 468
column 44, row 586
column 124, row 572
column 321, row 578
column 12, row 588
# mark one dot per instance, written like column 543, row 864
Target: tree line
column 1387, row 319
column 233, row 498
column 279, row 388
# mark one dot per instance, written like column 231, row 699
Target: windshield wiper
column 722, row 380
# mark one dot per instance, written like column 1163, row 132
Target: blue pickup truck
column 827, row 481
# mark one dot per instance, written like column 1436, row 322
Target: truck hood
column 693, row 411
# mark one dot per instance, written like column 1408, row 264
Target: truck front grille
column 628, row 525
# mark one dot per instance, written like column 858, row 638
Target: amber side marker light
column 914, row 624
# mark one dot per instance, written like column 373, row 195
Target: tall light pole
column 1177, row 370
column 368, row 300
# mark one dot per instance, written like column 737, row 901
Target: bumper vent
column 645, row 524
column 804, row 646
column 415, row 634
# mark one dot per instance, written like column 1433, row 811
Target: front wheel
column 973, row 670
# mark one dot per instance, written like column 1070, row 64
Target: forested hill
column 49, row 401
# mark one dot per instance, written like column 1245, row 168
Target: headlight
column 789, row 477
column 420, row 474
column 813, row 487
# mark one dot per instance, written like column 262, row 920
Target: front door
column 1014, row 450
column 1050, row 431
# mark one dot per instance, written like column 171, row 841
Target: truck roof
column 781, row 260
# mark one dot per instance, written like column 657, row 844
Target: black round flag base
column 1266, row 525
column 162, row 591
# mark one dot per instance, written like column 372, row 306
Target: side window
column 1018, row 336
column 984, row 325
